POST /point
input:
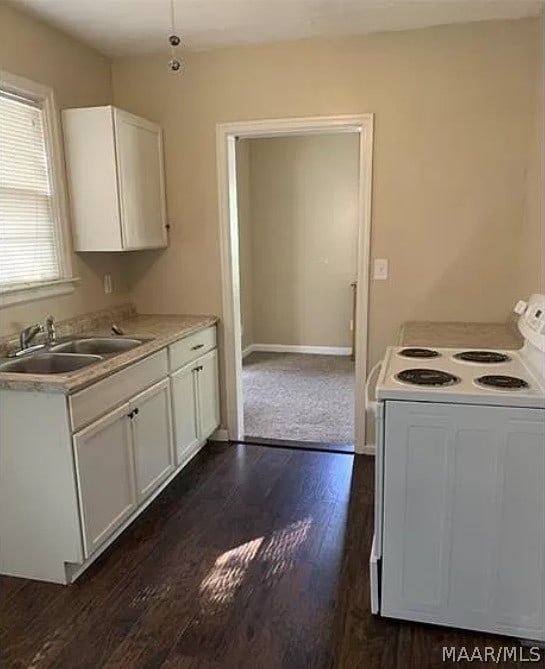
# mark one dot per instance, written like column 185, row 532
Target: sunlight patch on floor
column 220, row 585
column 228, row 571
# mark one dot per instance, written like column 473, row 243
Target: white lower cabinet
column 152, row 437
column 120, row 459
column 105, row 473
column 124, row 456
column 195, row 403
column 184, row 403
column 98, row 468
column 208, row 395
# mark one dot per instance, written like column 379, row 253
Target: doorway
column 298, row 232
column 227, row 135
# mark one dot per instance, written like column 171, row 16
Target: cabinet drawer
column 98, row 399
column 191, row 347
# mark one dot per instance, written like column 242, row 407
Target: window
column 34, row 259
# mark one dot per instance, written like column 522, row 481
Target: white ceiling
column 124, row 27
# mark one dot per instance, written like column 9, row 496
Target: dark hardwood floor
column 254, row 557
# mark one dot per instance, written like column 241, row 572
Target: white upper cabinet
column 115, row 169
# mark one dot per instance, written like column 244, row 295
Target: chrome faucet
column 50, row 330
column 27, row 335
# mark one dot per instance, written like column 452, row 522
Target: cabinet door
column 208, row 394
column 152, row 437
column 105, row 473
column 184, row 411
column 139, row 151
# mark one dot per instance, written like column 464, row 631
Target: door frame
column 226, row 136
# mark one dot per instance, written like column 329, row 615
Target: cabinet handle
column 197, row 369
column 136, row 411
column 196, row 347
column 130, row 415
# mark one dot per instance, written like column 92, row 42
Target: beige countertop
column 460, row 335
column 162, row 329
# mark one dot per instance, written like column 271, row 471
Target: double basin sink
column 70, row 355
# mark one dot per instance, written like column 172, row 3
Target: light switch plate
column 380, row 269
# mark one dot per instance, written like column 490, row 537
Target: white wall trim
column 368, row 449
column 226, row 135
column 30, row 292
column 219, row 435
column 295, row 348
column 246, row 351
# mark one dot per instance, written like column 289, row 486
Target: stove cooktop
column 471, row 376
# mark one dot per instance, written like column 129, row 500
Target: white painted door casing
column 152, row 438
column 464, row 517
column 105, row 475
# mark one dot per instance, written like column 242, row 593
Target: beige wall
column 530, row 267
column 245, row 242
column 455, row 109
column 304, row 228
column 80, row 77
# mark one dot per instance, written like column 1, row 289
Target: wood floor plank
column 254, row 558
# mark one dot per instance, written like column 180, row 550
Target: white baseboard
column 220, row 435
column 246, row 351
column 288, row 348
column 368, row 449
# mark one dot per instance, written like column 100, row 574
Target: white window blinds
column 29, row 250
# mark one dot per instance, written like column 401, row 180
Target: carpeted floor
column 299, row 397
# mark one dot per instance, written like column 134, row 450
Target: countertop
column 163, row 329
column 460, row 335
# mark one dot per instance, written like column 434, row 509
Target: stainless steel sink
column 49, row 363
column 97, row 345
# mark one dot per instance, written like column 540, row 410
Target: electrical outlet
column 108, row 288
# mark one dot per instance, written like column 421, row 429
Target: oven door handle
column 371, row 404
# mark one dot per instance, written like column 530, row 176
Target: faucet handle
column 50, row 330
column 27, row 335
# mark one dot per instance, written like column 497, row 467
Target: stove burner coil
column 418, row 353
column 483, row 357
column 427, row 377
column 502, row 382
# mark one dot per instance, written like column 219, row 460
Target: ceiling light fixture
column 174, row 64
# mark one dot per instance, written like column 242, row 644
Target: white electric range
column 460, row 485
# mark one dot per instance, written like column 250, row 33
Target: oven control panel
column 532, row 319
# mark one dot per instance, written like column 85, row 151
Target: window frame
column 35, row 290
